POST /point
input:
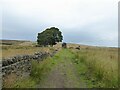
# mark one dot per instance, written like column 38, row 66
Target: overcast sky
column 92, row 22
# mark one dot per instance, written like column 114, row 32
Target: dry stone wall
column 21, row 64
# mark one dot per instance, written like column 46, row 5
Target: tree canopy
column 49, row 37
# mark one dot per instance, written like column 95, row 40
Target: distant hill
column 12, row 42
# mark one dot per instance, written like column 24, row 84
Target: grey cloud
column 25, row 23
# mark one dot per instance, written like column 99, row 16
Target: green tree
column 49, row 37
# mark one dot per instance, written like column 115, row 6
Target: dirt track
column 63, row 75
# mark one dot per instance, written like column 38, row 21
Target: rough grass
column 97, row 66
column 22, row 47
column 10, row 51
column 101, row 66
column 21, row 50
column 38, row 73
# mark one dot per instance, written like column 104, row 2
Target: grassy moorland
column 89, row 67
column 14, row 47
column 100, row 66
column 55, row 72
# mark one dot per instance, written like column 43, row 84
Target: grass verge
column 38, row 73
column 97, row 67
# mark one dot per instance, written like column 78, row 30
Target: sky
column 89, row 22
